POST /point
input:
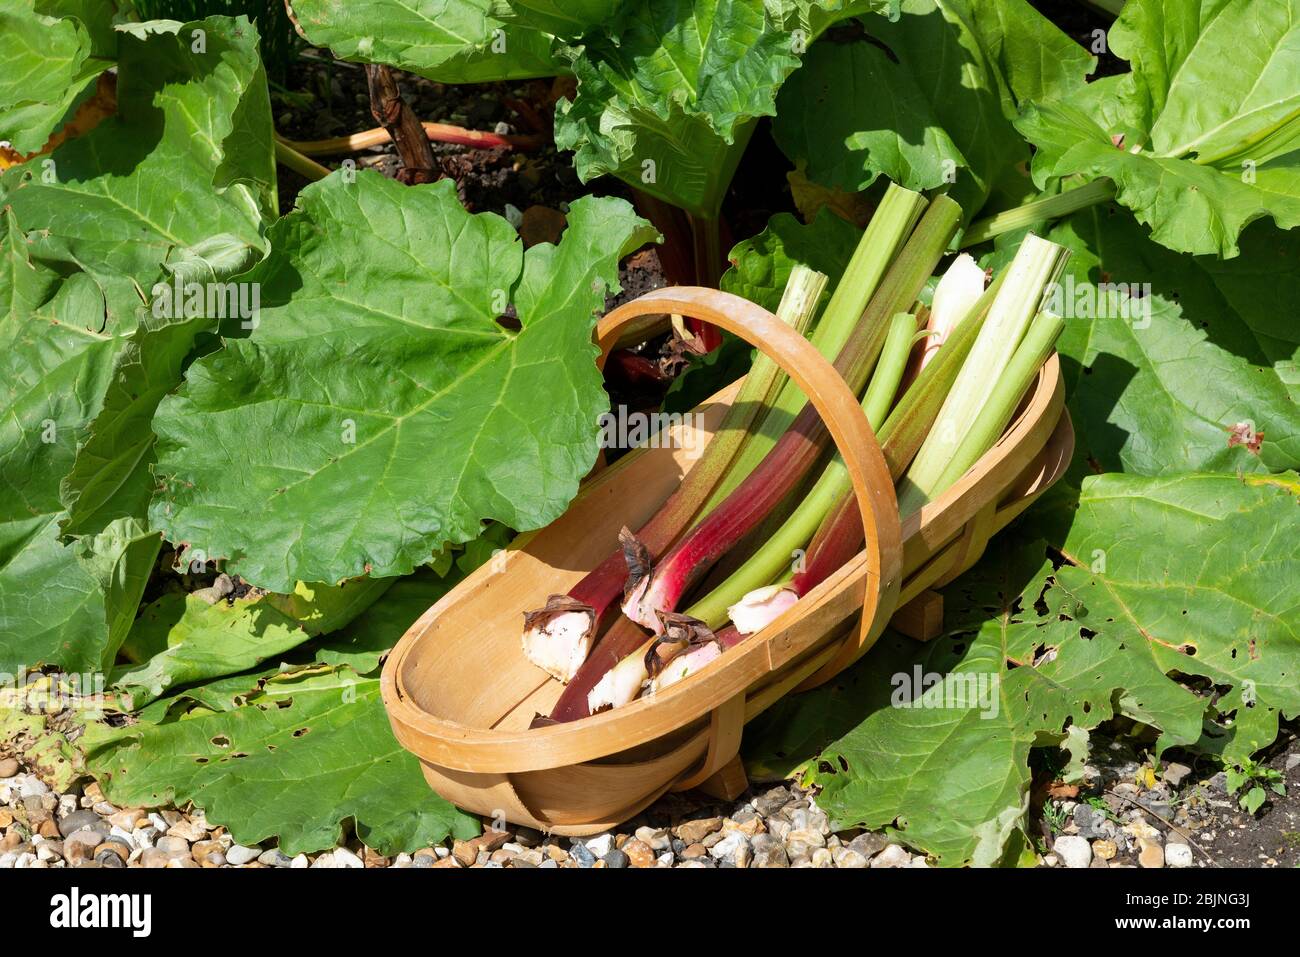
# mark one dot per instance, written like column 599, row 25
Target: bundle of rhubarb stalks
column 767, row 512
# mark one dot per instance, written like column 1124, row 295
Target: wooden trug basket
column 460, row 694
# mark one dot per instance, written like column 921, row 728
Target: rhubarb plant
column 1196, row 151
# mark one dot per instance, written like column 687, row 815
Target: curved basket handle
column 841, row 413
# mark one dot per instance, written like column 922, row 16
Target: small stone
column 848, row 858
column 694, row 851
column 582, row 854
column 465, row 852
column 345, row 858
column 529, row 857
column 749, row 827
column 692, row 832
column 768, row 851
column 177, row 862
column 892, row 856
column 869, row 844
column 109, row 859
column 528, row 836
column 1178, row 855
column 8, row 767
column 173, row 843
column 156, row 857
column 1074, row 851
column 664, row 860
column 324, row 862
column 215, row 859
column 78, row 820
column 273, row 858
column 238, row 854
column 48, row 829
column 29, row 785
column 299, row 862
column 80, row 845
column 187, row 831
column 616, row 859
column 373, row 858
column 727, row 848
column 1292, row 761
column 1174, row 773
column 128, row 819
column 772, row 801
column 805, row 835
column 822, row 857
column 113, row 847
column 1151, row 855
column 600, row 845
column 639, row 853
column 48, row 851
column 202, row 849
column 6, row 817
column 1104, row 850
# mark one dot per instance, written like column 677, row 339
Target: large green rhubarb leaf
column 569, row 19
column 452, row 41
column 293, row 762
column 382, row 410
column 927, row 100
column 1032, row 654
column 668, row 92
column 175, row 185
column 1174, row 363
column 57, row 353
column 1203, row 137
column 52, row 51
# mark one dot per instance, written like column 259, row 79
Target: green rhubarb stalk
column 1038, row 210
column 1036, row 266
column 887, row 232
column 656, row 586
column 1002, row 403
column 893, row 357
column 900, row 436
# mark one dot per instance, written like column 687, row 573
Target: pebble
column 1151, row 855
column 582, row 854
column 768, row 851
column 805, row 835
column 1178, row 855
column 729, row 849
column 654, row 838
column 600, row 845
column 187, row 831
column 692, row 832
column 869, row 844
column 772, row 801
column 79, row 819
column 822, row 858
column 239, row 854
column 639, row 853
column 173, row 843
column 848, row 858
column 1074, row 851
column 299, row 862
column 892, row 856
column 1174, row 773
column 616, row 859
column 345, row 858
column 8, row 767
column 157, row 857
column 694, row 851
column 29, row 785
column 274, row 858
column 1104, row 850
column 79, row 845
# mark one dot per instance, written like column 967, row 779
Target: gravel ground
column 1126, row 813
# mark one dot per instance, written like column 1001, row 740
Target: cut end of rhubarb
column 685, row 665
column 558, row 638
column 678, row 634
column 639, row 576
column 619, row 686
column 761, row 607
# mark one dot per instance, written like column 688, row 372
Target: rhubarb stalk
column 558, row 638
column 884, row 236
column 1035, row 267
column 796, row 451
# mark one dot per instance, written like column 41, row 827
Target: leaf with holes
column 291, row 765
